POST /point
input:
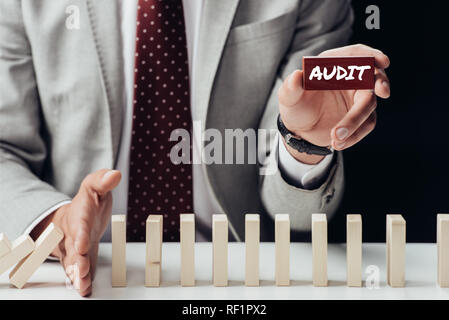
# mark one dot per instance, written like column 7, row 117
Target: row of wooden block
column 395, row 242
column 27, row 255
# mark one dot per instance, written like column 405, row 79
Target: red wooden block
column 338, row 73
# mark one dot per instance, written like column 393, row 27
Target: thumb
column 102, row 181
column 292, row 89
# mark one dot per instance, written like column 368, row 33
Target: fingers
column 83, row 263
column 381, row 60
column 364, row 105
column 359, row 134
column 93, row 254
column 82, row 240
column 102, row 181
column 87, row 292
column 85, row 286
column 291, row 90
column 382, row 84
column 78, row 269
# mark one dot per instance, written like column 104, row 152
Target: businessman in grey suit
column 85, row 85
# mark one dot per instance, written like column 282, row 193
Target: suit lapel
column 216, row 21
column 105, row 25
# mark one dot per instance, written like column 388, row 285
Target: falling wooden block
column 118, row 227
column 319, row 249
column 338, row 73
column 443, row 250
column 354, row 250
column 45, row 244
column 20, row 248
column 282, row 247
column 395, row 250
column 153, row 264
column 252, row 240
column 220, row 250
column 5, row 245
column 187, row 238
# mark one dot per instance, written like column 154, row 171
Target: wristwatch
column 299, row 144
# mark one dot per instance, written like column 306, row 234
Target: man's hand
column 83, row 222
column 339, row 118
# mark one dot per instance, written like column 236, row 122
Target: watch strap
column 299, row 144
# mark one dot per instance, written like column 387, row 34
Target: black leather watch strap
column 298, row 144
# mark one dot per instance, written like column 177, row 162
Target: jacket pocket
column 261, row 29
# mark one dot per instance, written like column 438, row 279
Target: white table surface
column 49, row 280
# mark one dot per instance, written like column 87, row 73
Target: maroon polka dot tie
column 161, row 105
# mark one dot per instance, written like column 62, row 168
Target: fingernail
column 386, row 84
column 108, row 174
column 342, row 133
column 340, row 145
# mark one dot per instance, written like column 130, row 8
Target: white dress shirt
column 204, row 202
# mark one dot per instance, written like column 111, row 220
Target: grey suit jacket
column 61, row 100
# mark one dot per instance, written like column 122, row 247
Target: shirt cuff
column 307, row 176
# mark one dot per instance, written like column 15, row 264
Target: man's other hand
column 337, row 118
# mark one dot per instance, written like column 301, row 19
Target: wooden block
column 443, row 250
column 45, row 244
column 154, row 223
column 187, row 238
column 220, row 250
column 395, row 250
column 252, row 242
column 338, row 73
column 154, row 250
column 5, row 245
column 354, row 250
column 282, row 247
column 118, row 227
column 20, row 248
column 319, row 249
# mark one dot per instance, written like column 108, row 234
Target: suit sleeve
column 321, row 25
column 24, row 196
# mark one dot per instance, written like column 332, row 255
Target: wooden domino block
column 252, row 242
column 5, row 245
column 395, row 250
column 443, row 250
column 220, row 250
column 153, row 266
column 354, row 250
column 45, row 244
column 118, row 227
column 20, row 248
column 319, row 249
column 282, row 247
column 338, row 73
column 187, row 239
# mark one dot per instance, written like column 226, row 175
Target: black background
column 402, row 166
